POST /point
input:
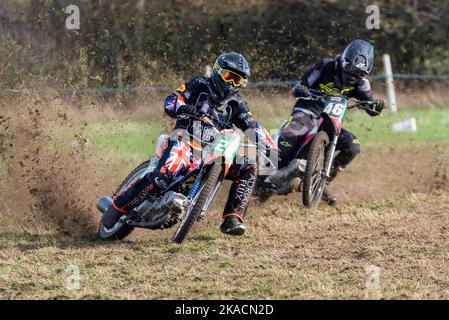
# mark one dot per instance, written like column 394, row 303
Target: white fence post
column 389, row 81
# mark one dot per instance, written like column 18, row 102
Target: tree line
column 126, row 43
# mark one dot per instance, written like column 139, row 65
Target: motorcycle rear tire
column 121, row 230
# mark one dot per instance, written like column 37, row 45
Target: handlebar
column 365, row 105
column 207, row 120
column 265, row 154
column 317, row 95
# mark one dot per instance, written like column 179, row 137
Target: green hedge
column 124, row 43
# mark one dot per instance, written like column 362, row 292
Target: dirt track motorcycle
column 187, row 199
column 313, row 162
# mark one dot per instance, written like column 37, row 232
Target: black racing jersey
column 324, row 76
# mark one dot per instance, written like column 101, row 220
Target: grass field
column 393, row 217
column 136, row 137
column 322, row 254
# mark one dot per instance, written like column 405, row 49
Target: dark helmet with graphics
column 355, row 62
column 230, row 73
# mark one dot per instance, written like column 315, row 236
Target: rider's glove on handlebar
column 189, row 110
column 380, row 105
column 300, row 91
column 377, row 108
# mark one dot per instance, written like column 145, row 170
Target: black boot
column 232, row 226
column 328, row 197
column 335, row 170
column 111, row 217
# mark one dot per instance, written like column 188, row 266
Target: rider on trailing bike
column 344, row 75
column 219, row 92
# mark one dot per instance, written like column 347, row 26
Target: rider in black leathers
column 344, row 75
column 217, row 97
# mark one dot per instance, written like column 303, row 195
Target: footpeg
column 281, row 178
column 103, row 203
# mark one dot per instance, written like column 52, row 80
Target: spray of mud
column 52, row 179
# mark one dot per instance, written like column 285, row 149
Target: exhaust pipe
column 103, row 203
column 153, row 225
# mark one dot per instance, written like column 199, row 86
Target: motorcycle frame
column 331, row 123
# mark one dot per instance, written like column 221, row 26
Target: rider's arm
column 364, row 93
column 174, row 102
column 309, row 78
column 179, row 101
column 244, row 121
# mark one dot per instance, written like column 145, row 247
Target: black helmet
column 356, row 61
column 230, row 73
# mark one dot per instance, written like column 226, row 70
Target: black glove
column 376, row 107
column 301, row 91
column 188, row 109
column 379, row 105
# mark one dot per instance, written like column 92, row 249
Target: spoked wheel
column 121, row 230
column 314, row 179
column 192, row 213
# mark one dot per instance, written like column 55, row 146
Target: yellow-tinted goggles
column 231, row 77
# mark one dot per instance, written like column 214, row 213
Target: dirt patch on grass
column 382, row 173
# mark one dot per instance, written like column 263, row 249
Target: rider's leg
column 348, row 147
column 173, row 161
column 293, row 134
column 243, row 173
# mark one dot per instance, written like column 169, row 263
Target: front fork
column 330, row 158
column 195, row 189
column 209, row 201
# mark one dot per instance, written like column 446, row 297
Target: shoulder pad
column 199, row 80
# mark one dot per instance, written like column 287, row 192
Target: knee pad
column 162, row 181
column 355, row 147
